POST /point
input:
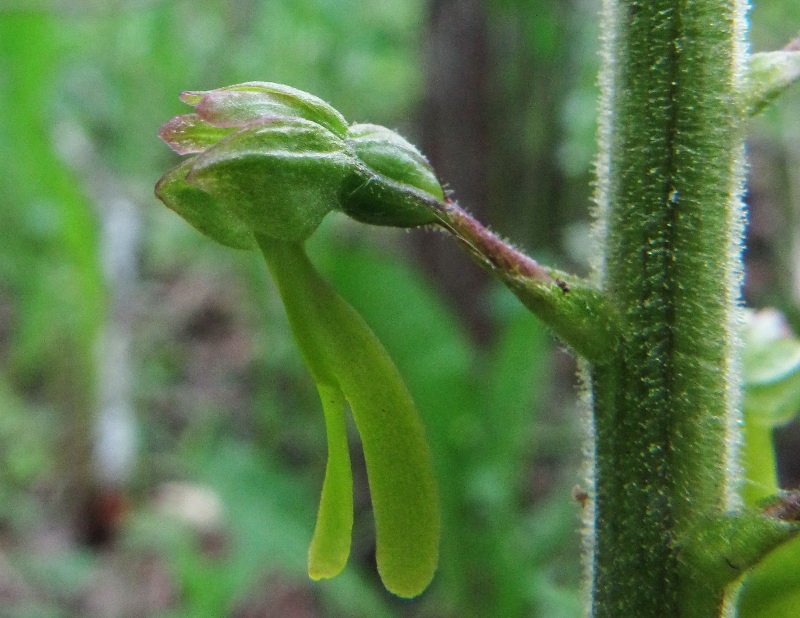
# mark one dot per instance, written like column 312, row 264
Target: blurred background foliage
column 161, row 446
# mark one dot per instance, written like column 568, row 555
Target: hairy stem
column 670, row 175
column 489, row 250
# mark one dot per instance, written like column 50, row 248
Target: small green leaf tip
column 271, row 159
column 771, row 73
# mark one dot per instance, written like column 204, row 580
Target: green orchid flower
column 268, row 163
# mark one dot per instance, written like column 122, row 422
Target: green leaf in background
column 44, row 206
column 771, row 361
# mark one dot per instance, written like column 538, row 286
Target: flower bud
column 277, row 176
column 280, row 177
column 273, row 160
column 393, row 185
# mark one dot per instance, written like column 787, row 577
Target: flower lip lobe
column 338, row 345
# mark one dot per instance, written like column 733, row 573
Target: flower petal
column 241, row 104
column 190, row 134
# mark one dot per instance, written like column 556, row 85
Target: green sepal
column 771, row 73
column 375, row 200
column 203, row 212
column 280, row 177
column 394, row 184
column 241, row 104
column 386, row 153
column 342, row 353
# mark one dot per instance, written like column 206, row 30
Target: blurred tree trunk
column 495, row 85
column 455, row 137
column 531, row 79
column 497, row 77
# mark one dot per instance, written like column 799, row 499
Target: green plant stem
column 670, row 175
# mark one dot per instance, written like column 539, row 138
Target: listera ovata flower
column 268, row 163
column 274, row 160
